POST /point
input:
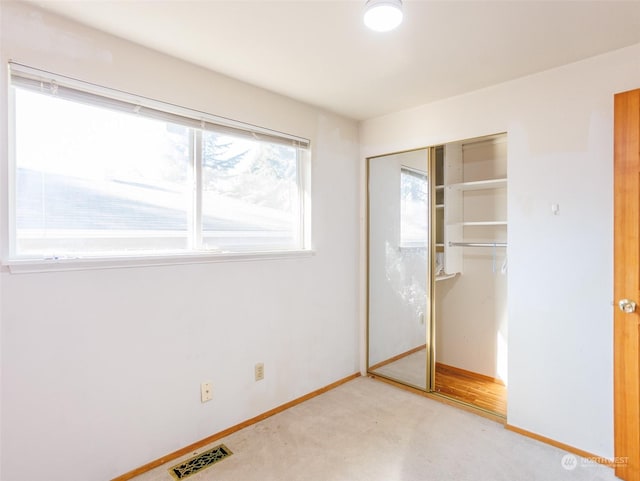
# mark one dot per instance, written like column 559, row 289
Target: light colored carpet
column 366, row 430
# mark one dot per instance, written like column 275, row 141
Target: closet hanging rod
column 477, row 244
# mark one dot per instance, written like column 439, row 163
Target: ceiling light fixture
column 383, row 15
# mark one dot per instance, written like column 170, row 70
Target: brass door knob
column 627, row 306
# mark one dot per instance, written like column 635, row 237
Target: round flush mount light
column 383, row 15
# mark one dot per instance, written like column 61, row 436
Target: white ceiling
column 318, row 51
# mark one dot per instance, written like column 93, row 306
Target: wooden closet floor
column 472, row 389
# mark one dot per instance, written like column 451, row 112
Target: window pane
column 92, row 180
column 414, row 208
column 250, row 195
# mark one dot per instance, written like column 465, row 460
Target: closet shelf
column 444, row 277
column 481, row 223
column 480, row 184
column 484, row 222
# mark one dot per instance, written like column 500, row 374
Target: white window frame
column 198, row 121
column 422, row 175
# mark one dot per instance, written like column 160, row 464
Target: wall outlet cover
column 206, row 391
column 259, row 371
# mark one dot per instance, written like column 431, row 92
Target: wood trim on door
column 626, row 375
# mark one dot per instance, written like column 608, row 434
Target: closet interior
column 437, row 270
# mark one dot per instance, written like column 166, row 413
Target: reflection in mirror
column 398, row 263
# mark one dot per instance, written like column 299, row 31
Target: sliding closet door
column 399, row 263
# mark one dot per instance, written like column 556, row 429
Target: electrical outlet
column 206, row 391
column 259, row 371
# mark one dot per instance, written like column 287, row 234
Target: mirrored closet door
column 437, row 270
column 399, row 260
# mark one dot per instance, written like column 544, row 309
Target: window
column 414, row 208
column 98, row 175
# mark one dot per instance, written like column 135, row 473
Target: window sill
column 29, row 266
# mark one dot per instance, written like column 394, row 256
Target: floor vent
column 200, row 462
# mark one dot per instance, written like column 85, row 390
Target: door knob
column 627, row 306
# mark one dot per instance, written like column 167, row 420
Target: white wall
column 101, row 368
column 559, row 125
column 397, row 276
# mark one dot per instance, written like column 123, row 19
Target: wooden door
column 627, row 284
